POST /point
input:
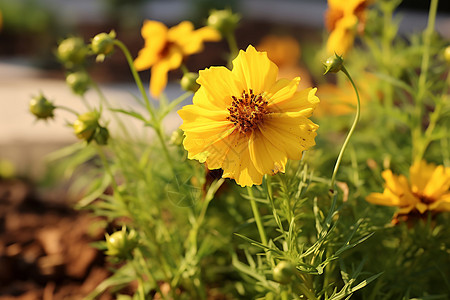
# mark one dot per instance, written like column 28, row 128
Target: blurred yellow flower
column 343, row 20
column 285, row 52
column 426, row 190
column 165, row 49
column 247, row 122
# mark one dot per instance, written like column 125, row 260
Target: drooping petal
column 443, row 204
column 158, row 79
column 255, row 70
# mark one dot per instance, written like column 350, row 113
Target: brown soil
column 45, row 248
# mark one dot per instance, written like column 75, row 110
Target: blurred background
column 38, row 261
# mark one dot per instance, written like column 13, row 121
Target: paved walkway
column 25, row 141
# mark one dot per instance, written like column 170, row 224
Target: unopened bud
column 121, row 243
column 86, row 125
column 103, row 44
column 447, row 54
column 284, row 272
column 189, row 82
column 223, row 21
column 334, row 64
column 41, row 107
column 72, row 51
column 79, row 82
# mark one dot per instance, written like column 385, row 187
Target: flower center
column 424, row 199
column 247, row 111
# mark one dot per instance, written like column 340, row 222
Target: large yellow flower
column 246, row 122
column 343, row 20
column 426, row 190
column 166, row 48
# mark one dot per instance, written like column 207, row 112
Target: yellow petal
column 381, row 199
column 443, row 204
column 155, row 35
column 438, row 183
column 158, row 79
column 342, row 37
column 238, row 165
column 218, row 84
column 266, row 157
column 304, row 101
column 291, row 134
column 281, row 91
column 255, row 70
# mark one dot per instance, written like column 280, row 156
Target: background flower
column 245, row 121
column 426, row 190
column 343, row 20
column 165, row 49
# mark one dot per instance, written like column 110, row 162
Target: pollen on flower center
column 247, row 111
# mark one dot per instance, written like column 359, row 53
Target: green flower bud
column 223, row 21
column 284, row 272
column 177, row 137
column 86, row 125
column 41, row 107
column 79, row 82
column 334, row 64
column 101, row 135
column 72, row 51
column 121, row 243
column 103, row 44
column 447, row 54
column 188, row 82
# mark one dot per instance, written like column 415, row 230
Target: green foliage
column 298, row 235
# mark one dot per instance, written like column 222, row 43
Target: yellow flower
column 247, row 122
column 343, row 20
column 165, row 49
column 426, row 190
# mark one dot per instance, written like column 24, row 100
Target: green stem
column 257, row 216
column 137, row 79
column 232, row 44
column 67, row 109
column 350, row 132
column 421, row 90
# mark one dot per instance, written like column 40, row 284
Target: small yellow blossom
column 165, row 49
column 426, row 190
column 247, row 122
column 343, row 20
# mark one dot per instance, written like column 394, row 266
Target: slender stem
column 67, row 109
column 257, row 216
column 232, row 44
column 137, row 78
column 350, row 132
column 421, row 90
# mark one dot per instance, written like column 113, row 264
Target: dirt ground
column 45, row 250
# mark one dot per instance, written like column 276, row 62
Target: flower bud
column 79, row 82
column 447, row 54
column 121, row 243
column 101, row 135
column 72, row 51
column 177, row 137
column 223, row 21
column 188, row 82
column 103, row 44
column 284, row 272
column 41, row 107
column 86, row 125
column 334, row 64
